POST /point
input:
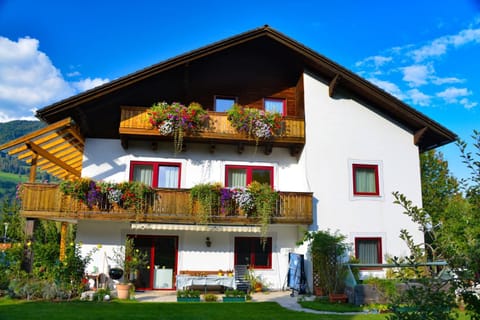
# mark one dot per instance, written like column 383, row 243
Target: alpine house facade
column 344, row 146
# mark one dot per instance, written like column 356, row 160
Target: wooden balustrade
column 47, row 201
column 134, row 123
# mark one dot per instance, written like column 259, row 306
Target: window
column 222, row 104
column 274, row 105
column 155, row 174
column 251, row 251
column 242, row 176
column 365, row 180
column 368, row 250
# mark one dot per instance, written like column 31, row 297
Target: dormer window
column 224, row 103
column 275, row 105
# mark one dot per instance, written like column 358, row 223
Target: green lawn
column 13, row 310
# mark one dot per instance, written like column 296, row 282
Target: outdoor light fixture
column 208, row 242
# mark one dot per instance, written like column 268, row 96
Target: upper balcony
column 134, row 124
column 47, row 201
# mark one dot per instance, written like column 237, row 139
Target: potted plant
column 234, row 296
column 188, row 295
column 130, row 260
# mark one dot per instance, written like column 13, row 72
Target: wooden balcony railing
column 134, row 123
column 46, row 201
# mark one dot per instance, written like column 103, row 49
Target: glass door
column 161, row 253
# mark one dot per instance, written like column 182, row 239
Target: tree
column 454, row 220
column 439, row 186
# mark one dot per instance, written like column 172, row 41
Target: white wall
column 340, row 131
column 106, row 160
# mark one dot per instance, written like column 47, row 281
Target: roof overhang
column 56, row 149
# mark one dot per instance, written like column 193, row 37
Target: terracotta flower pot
column 123, row 290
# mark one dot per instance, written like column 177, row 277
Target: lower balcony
column 46, row 201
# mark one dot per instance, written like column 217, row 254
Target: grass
column 132, row 310
column 16, row 310
column 323, row 304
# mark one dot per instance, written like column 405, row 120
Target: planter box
column 234, row 299
column 188, row 299
column 338, row 297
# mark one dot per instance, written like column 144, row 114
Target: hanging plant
column 265, row 201
column 255, row 123
column 208, row 195
column 177, row 120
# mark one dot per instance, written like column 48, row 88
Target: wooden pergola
column 56, row 149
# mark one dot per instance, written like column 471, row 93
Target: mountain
column 13, row 171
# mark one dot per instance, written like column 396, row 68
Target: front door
column 161, row 253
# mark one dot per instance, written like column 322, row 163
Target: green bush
column 209, row 297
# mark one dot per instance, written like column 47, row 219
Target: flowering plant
column 104, row 194
column 176, row 119
column 256, row 123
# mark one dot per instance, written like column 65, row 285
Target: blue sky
column 427, row 53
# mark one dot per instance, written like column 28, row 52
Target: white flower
column 166, row 128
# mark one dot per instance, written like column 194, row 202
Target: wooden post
column 33, row 168
column 63, row 240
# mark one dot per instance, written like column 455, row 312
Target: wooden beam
column 43, row 153
column 37, row 133
column 333, row 85
column 419, row 134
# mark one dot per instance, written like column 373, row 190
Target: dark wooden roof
column 247, row 59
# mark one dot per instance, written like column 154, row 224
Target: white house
column 345, row 146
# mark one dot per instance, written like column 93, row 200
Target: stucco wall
column 340, row 131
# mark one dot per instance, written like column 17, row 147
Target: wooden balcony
column 46, row 201
column 134, row 124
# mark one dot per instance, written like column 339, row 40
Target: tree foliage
column 451, row 218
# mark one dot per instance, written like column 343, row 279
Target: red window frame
column 155, row 166
column 282, row 100
column 356, row 166
column 254, row 242
column 379, row 249
column 249, row 172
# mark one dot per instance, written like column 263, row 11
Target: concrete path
column 283, row 298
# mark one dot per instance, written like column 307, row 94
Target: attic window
column 274, row 105
column 223, row 103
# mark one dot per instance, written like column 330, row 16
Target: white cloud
column 446, row 80
column 388, row 86
column 402, row 70
column 467, row 104
column 417, row 75
column 452, row 94
column 439, row 46
column 88, row 83
column 29, row 80
column 418, row 97
column 376, row 61
column 436, row 48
